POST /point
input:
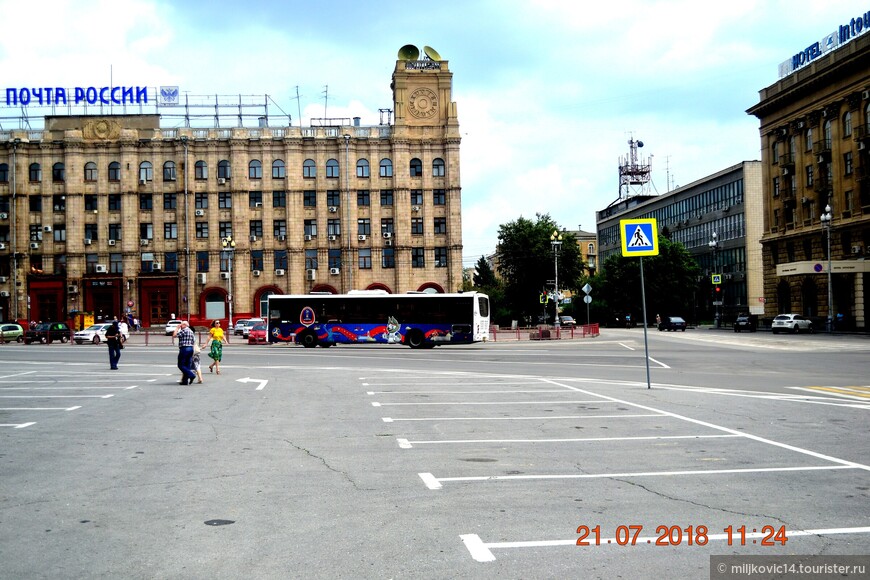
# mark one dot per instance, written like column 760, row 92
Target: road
column 459, row 462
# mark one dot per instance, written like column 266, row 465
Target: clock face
column 423, row 103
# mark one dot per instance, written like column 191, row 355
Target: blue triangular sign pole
column 643, row 320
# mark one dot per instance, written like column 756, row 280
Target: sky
column 548, row 92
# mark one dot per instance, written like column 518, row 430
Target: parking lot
column 480, row 461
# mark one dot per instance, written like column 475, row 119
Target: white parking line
column 55, row 396
column 391, row 420
column 406, row 444
column 62, row 388
column 482, row 551
column 463, row 392
column 40, row 408
column 18, row 425
column 376, row 404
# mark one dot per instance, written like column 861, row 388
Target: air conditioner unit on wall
column 282, row 238
column 142, row 182
column 88, row 241
column 307, row 238
column 221, row 180
column 361, row 237
column 4, row 294
column 72, row 289
column 200, row 212
column 388, row 243
column 225, row 275
column 332, row 209
column 256, row 273
column 333, row 238
column 335, row 271
column 3, row 279
column 415, row 208
column 101, row 269
column 253, row 238
column 144, row 242
column 857, row 249
column 111, row 242
column 201, row 277
column 2, row 246
column 46, row 228
column 311, row 274
column 865, row 95
column 4, row 216
column 34, row 245
column 156, row 266
column 388, row 235
column 279, row 272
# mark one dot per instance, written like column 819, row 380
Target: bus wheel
column 414, row 338
column 308, row 340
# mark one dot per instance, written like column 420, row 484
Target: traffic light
column 718, row 289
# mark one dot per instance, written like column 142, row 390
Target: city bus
column 418, row 320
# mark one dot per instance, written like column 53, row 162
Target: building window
column 58, row 202
column 776, row 187
column 279, row 199
column 847, row 124
column 169, row 171
column 255, row 199
column 90, row 202
column 114, row 171
column 809, row 175
column 365, row 259
column 170, row 231
column 847, row 163
column 255, row 169
column 334, row 258
column 333, row 227
column 170, row 201
column 310, row 228
column 416, row 168
column 146, row 202
column 280, row 259
column 60, row 232
column 35, row 203
column 202, row 230
column 257, row 260
column 4, row 173
column 225, row 229
column 827, row 132
column 309, row 198
column 362, row 168
column 58, row 172
column 440, row 225
column 170, row 262
column 363, row 197
column 114, row 231
column 418, row 258
column 774, row 152
column 387, row 226
column 333, row 197
column 310, row 259
column 116, row 263
column 437, row 167
column 386, row 197
column 388, row 258
column 847, row 206
column 309, row 169
column 386, row 169
column 279, row 171
column 200, row 200
column 225, row 200
column 146, row 172
column 202, row 261
column 417, row 226
column 92, row 232
column 146, row 231
column 364, row 227
column 439, row 197
column 256, row 228
column 90, row 171
column 416, row 197
column 224, row 169
column 440, row 257
column 200, row 170
column 809, row 139
column 332, row 168
column 35, row 172
column 114, row 202
column 279, row 228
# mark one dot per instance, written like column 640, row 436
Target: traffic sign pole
column 640, row 238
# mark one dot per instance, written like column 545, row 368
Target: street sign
column 716, row 278
column 639, row 237
column 587, row 299
column 587, row 288
column 717, row 303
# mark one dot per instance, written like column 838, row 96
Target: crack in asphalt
column 328, row 466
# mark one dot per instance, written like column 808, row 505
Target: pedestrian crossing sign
column 639, row 237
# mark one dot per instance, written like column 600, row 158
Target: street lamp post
column 556, row 242
column 229, row 246
column 826, row 222
column 714, row 246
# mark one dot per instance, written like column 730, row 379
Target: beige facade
column 815, row 140
column 105, row 213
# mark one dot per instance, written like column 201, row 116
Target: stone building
column 815, row 139
column 119, row 213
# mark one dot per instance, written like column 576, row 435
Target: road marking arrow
column 250, row 380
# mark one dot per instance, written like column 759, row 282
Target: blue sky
column 548, row 93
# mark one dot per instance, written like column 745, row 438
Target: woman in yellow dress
column 216, row 338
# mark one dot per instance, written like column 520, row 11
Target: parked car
column 566, row 321
column 791, row 323
column 240, row 324
column 672, row 323
column 96, row 333
column 47, row 332
column 744, row 322
column 11, row 331
column 171, row 326
column 257, row 334
column 249, row 324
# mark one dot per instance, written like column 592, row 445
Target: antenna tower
column 634, row 173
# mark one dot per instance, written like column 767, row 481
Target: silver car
column 793, row 323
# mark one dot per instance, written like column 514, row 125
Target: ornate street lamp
column 714, row 246
column 826, row 222
column 556, row 242
column 229, row 246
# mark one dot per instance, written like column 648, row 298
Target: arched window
column 90, row 171
column 200, row 170
column 35, row 172
column 774, row 151
column 57, row 172
column 169, row 171
column 362, row 168
column 255, row 169
column 309, row 169
column 146, row 171
column 827, row 128
column 264, row 303
column 416, row 167
column 437, row 167
column 215, row 305
column 332, row 168
column 386, row 168
column 847, row 124
column 590, row 249
column 279, row 171
column 4, row 173
column 809, row 138
column 223, row 169
column 114, row 171
column 792, row 148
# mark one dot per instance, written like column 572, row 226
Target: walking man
column 186, row 340
column 113, row 340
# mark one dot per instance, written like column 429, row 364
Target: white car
column 249, row 324
column 171, row 326
column 240, row 324
column 96, row 333
column 791, row 323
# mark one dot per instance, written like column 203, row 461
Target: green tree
column 484, row 276
column 526, row 264
column 670, row 282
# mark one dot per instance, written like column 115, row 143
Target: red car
column 257, row 335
